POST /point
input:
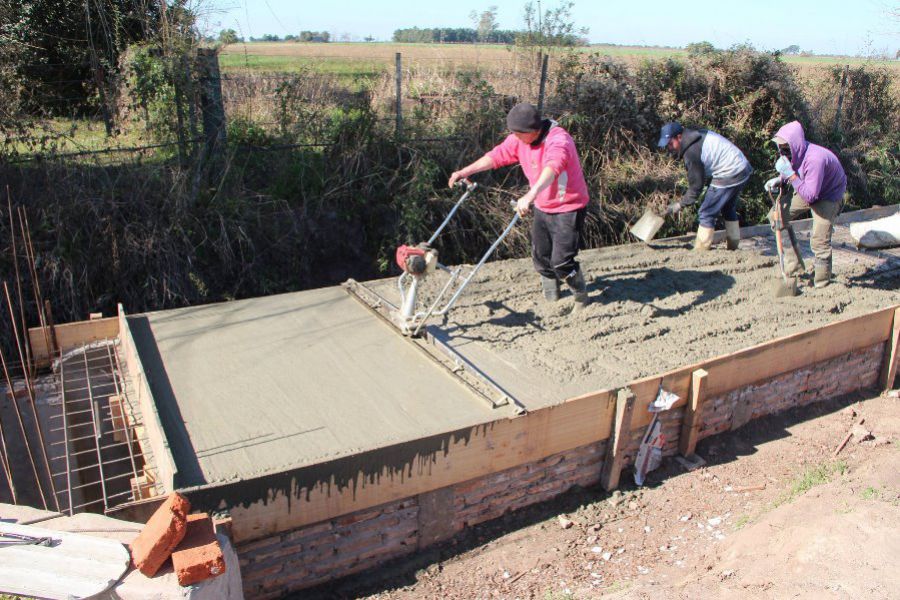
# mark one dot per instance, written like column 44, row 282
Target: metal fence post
column 398, row 76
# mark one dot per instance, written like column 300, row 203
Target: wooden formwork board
column 163, row 464
column 71, row 335
column 313, row 494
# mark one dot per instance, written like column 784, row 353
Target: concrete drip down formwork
column 335, row 444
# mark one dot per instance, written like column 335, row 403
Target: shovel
column 786, row 286
column 647, row 226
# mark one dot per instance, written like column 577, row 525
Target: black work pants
column 555, row 239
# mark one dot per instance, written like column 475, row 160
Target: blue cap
column 668, row 131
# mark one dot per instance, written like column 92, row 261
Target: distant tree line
column 230, row 36
column 453, row 35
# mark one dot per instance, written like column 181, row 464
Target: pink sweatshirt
column 568, row 190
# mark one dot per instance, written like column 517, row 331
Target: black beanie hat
column 523, row 117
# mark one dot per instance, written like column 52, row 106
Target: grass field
column 369, row 59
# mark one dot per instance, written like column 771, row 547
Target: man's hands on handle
column 456, row 177
column 773, row 184
column 673, row 209
column 523, row 204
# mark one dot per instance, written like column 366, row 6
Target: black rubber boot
column 579, row 288
column 550, row 287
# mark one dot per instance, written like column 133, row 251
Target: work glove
column 773, row 184
column 783, row 166
column 674, row 209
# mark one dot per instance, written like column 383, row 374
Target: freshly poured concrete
column 270, row 384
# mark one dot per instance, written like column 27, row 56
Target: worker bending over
column 558, row 193
column 709, row 156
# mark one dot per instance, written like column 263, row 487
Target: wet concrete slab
column 266, row 385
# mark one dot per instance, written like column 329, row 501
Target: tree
column 229, row 36
column 485, row 23
column 700, row 49
column 793, row 49
column 315, row 36
column 369, row 38
column 553, row 27
column 64, row 51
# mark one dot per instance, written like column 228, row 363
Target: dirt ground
column 657, row 307
column 773, row 514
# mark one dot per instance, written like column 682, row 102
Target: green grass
column 341, row 67
column 741, row 522
column 810, row 478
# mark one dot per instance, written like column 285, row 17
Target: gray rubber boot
column 579, row 288
column 823, row 273
column 550, row 287
column 732, row 235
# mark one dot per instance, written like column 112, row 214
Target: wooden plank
column 618, row 443
column 162, row 463
column 690, row 428
column 475, row 452
column 891, row 354
column 71, row 335
column 767, row 360
column 117, row 417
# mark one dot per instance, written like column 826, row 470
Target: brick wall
column 351, row 543
column 827, row 379
column 331, row 549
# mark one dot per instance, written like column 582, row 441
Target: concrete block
column 162, row 533
column 198, row 557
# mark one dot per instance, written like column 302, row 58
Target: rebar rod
column 35, row 286
column 62, row 387
column 12, row 395
column 97, row 441
column 15, row 258
column 30, row 389
column 120, row 392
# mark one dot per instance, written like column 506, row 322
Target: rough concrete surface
column 653, row 308
column 252, row 387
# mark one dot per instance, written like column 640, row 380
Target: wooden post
column 690, row 427
column 211, row 104
column 543, row 87
column 398, row 80
column 840, row 102
column 618, row 440
column 891, row 354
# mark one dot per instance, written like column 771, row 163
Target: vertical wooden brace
column 618, row 440
column 690, row 427
column 891, row 354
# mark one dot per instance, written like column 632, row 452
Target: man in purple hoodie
column 819, row 184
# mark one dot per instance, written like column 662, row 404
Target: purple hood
column 820, row 175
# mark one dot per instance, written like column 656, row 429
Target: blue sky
column 822, row 26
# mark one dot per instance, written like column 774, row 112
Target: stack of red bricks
column 190, row 540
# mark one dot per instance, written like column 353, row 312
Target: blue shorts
column 720, row 200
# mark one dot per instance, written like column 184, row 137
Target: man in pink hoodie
column 818, row 183
column 558, row 194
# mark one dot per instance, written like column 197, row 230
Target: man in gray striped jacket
column 709, row 156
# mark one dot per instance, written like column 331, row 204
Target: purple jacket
column 819, row 173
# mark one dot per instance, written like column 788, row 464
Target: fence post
column 543, row 87
column 211, row 104
column 840, row 102
column 398, row 80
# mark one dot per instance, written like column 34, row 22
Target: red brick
column 199, row 555
column 162, row 533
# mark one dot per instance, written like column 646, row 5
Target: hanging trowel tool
column 647, row 226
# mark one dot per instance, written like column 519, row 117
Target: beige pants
column 824, row 214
